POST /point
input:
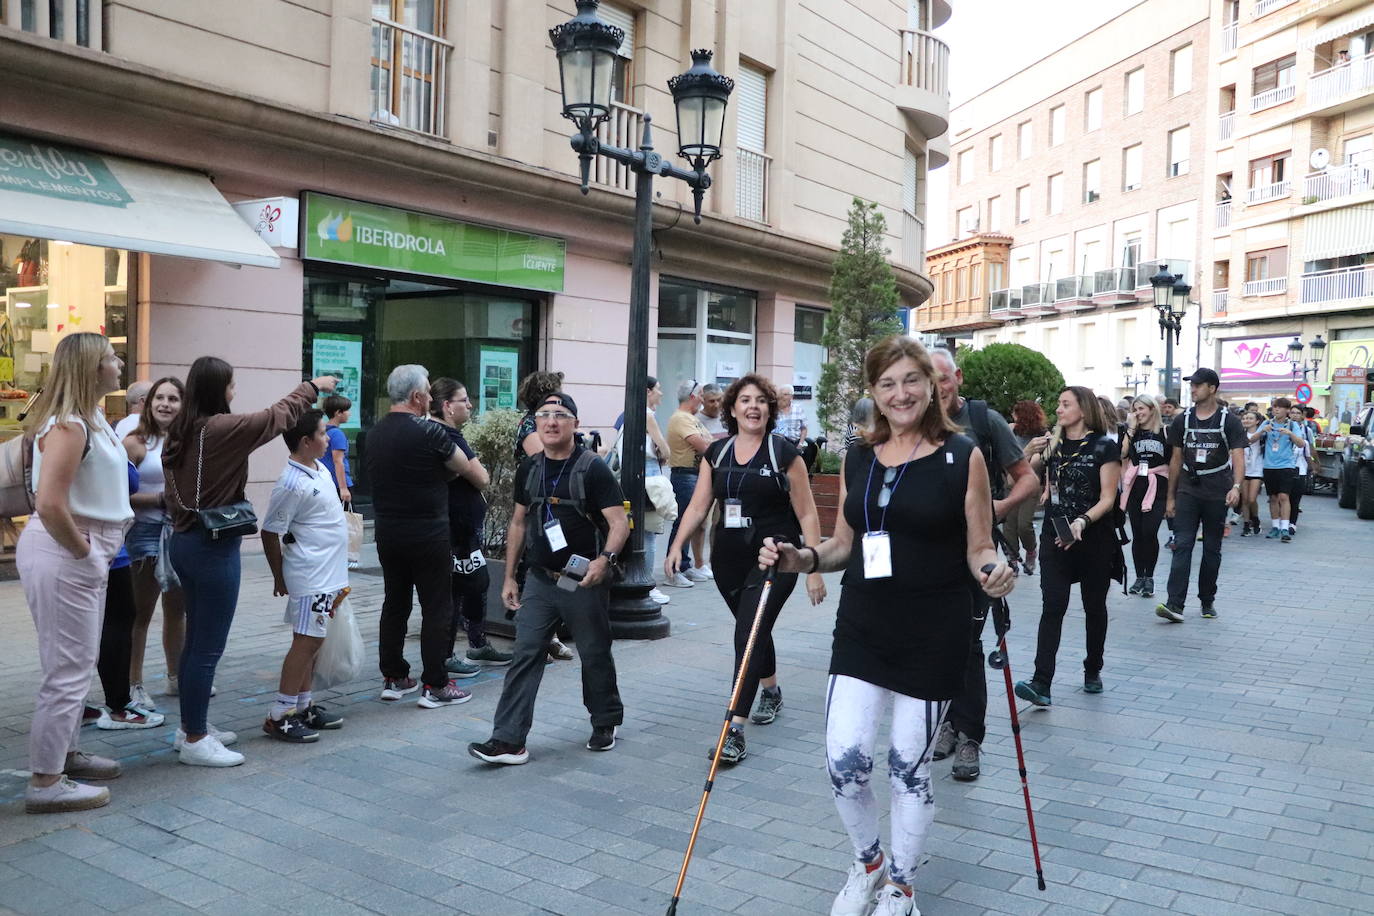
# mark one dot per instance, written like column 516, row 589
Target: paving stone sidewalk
column 1225, row 770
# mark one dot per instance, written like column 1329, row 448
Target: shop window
column 809, row 356
column 705, row 333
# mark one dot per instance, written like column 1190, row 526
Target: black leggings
column 116, row 638
column 1056, row 571
column 470, row 607
column 1295, row 497
column 1145, row 528
column 740, row 588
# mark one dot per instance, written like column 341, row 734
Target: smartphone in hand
column 1063, row 530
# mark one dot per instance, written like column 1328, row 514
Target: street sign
column 1304, row 393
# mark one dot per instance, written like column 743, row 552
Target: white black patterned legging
column 853, row 711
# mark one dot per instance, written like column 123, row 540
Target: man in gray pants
column 569, row 517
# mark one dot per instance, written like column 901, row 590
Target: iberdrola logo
column 335, row 228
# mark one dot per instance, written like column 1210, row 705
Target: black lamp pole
column 1171, row 302
column 586, row 48
column 1302, row 368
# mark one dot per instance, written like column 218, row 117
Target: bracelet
column 815, row 559
column 1086, row 519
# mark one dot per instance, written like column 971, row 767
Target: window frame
column 1058, row 124
column 1088, row 186
column 1276, row 164
column 1173, row 170
column 1023, row 214
column 1025, row 140
column 1276, row 255
column 1126, row 167
column 1126, row 94
column 995, row 151
column 1174, row 89
column 1273, row 69
column 1054, row 194
column 1092, row 101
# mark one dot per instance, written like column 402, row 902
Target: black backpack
column 982, row 426
column 577, row 486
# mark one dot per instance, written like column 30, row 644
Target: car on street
column 1355, row 473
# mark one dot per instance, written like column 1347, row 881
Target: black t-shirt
column 467, row 508
column 1075, row 471
column 1215, row 441
column 406, row 458
column 758, row 485
column 1149, row 447
column 526, row 428
column 582, row 534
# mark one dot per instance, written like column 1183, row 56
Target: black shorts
column 1280, row 481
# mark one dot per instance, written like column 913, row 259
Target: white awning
column 54, row 192
column 1340, row 26
column 1338, row 233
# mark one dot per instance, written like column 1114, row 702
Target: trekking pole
column 1001, row 622
column 720, row 742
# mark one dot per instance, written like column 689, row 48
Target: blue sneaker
column 1273, row 534
column 1032, row 690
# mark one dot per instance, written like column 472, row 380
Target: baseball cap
column 562, row 400
column 1205, row 377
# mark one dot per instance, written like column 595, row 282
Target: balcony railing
column 1343, row 283
column 1337, row 181
column 1271, row 97
column 1037, row 298
column 409, row 75
column 751, row 185
column 913, row 241
column 1226, row 125
column 1147, row 269
column 1219, row 297
column 1073, row 292
column 1114, row 281
column 1005, row 303
column 1260, row 193
column 1263, row 7
column 75, row 22
column 1230, row 35
column 1327, row 86
column 1223, row 214
column 625, row 129
column 925, row 62
column 1269, row 287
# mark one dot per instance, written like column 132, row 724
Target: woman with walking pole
column 916, row 523
column 760, row 482
column 1077, row 540
column 1144, row 488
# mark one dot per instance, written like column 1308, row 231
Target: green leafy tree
column 863, row 310
column 1004, row 373
column 492, row 437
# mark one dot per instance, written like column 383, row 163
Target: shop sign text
column 58, row 171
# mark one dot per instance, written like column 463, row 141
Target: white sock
column 282, row 706
column 303, row 702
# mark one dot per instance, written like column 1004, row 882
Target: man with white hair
column 133, row 399
column 791, row 424
column 409, row 463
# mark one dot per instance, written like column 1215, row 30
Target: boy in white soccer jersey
column 305, row 538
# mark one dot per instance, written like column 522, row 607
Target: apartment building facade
column 338, row 185
column 1291, row 148
column 1090, row 161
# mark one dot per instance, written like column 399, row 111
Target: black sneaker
column 602, row 739
column 393, row 688
column 965, row 767
column 489, row 655
column 1286, row 536
column 493, row 751
column 1092, row 683
column 769, row 704
column 1209, row 612
column 1033, row 690
column 1147, row 587
column 290, row 728
column 1169, row 612
column 733, row 750
column 1137, row 587
column 317, row 718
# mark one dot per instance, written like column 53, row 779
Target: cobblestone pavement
column 1226, row 769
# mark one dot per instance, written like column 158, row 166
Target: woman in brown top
column 205, row 461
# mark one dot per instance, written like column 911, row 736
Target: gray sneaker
column 965, row 767
column 460, row 668
column 944, row 742
column 770, row 702
column 489, row 655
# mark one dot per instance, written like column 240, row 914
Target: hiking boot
column 602, row 739
column 447, row 695
column 291, row 729
column 893, row 901
column 1092, row 683
column 733, row 750
column 64, row 795
column 559, row 651
column 944, row 742
column 316, row 717
column 1136, row 586
column 1034, row 691
column 1169, row 612
column 1147, row 587
column 862, row 882
column 461, row 668
column 489, row 655
column 393, row 688
column 88, row 766
column 493, row 751
column 770, row 702
column 965, row 767
column 1209, row 612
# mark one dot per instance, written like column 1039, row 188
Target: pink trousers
column 66, row 597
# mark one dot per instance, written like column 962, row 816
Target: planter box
column 826, row 489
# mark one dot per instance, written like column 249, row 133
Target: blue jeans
column 209, row 573
column 684, row 484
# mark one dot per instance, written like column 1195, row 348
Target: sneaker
column 128, row 717
column 447, row 695
column 493, row 751
column 1169, row 545
column 1209, row 612
column 965, row 767
column 733, row 750
column 91, row 714
column 678, row 580
column 560, row 651
column 1293, row 530
column 856, row 897
column 1147, row 588
column 82, row 765
column 945, row 740
column 602, row 739
column 461, row 668
column 1028, row 567
column 393, row 688
column 1136, row 586
column 769, row 704
column 1247, row 531
column 893, row 901
column 1273, row 534
column 489, row 655
column 1092, row 683
column 209, row 752
column 702, row 574
column 290, row 728
column 316, row 717
column 1033, row 690
column 224, row 737
column 138, row 697
column 64, row 795
column 657, row 596
column 171, row 688
column 1286, row 536
column 353, row 564
column 1169, row 612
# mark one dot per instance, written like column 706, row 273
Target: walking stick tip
column 672, row 907
column 1039, row 879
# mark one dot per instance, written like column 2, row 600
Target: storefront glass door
column 705, row 333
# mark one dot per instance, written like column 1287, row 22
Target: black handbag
column 236, row 519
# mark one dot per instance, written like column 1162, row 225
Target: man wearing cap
column 569, row 524
column 1206, row 473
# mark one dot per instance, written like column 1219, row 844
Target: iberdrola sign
column 346, row 231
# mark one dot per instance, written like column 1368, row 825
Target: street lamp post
column 1171, row 302
column 1136, row 381
column 1303, row 368
column 586, row 48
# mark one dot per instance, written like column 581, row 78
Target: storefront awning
column 1338, row 233
column 1340, row 27
column 54, row 192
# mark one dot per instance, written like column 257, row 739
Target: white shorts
column 309, row 615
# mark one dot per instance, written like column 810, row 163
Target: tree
column 863, row 310
column 492, row 437
column 1004, row 373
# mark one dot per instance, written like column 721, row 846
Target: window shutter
column 625, row 19
column 751, row 106
column 909, row 183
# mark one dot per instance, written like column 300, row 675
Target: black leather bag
column 234, row 520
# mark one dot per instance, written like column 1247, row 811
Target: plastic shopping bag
column 166, row 576
column 341, row 657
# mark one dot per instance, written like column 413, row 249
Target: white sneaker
column 657, row 595
column 856, row 897
column 171, row 689
column 222, row 736
column 140, row 698
column 702, row 574
column 678, row 580
column 130, row 717
column 893, row 901
column 64, row 795
column 208, row 752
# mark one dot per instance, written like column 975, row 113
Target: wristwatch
column 611, row 558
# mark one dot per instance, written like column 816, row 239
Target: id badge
column 1054, row 496
column 1201, row 457
column 1144, row 469
column 733, row 516
column 877, row 555
column 554, row 532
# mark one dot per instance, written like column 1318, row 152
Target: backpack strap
column 720, row 455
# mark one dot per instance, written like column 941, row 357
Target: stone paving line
column 1225, row 770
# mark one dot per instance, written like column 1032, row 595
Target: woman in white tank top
column 144, row 540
